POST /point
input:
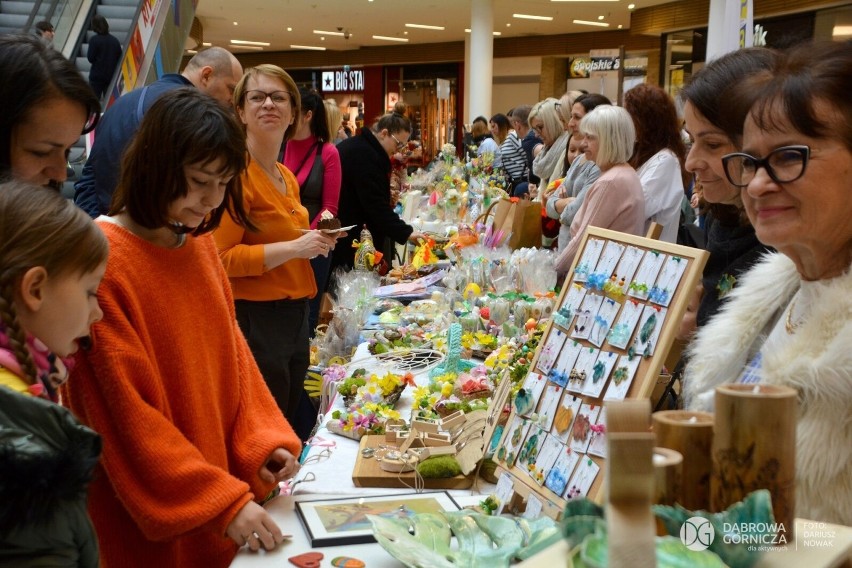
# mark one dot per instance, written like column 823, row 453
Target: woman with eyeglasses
column 715, row 106
column 790, row 320
column 47, row 106
column 270, row 269
column 365, row 192
column 545, row 120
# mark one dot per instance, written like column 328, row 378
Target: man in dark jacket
column 104, row 53
column 46, row 462
column 365, row 188
column 214, row 71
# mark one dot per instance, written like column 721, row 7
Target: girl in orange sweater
column 193, row 440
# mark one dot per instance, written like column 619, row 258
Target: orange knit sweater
column 185, row 416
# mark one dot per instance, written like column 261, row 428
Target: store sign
column 579, row 68
column 344, row 80
column 598, row 60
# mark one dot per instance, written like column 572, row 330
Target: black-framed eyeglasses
column 784, row 165
column 258, row 97
column 399, row 145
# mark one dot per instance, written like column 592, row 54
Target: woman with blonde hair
column 335, row 121
column 615, row 201
column 545, row 120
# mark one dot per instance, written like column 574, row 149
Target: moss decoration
column 439, row 467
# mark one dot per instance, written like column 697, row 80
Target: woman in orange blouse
column 269, row 269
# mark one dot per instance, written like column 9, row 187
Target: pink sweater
column 614, row 202
column 295, row 153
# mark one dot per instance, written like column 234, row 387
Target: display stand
column 615, row 320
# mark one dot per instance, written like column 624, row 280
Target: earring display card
column 597, row 445
column 515, row 436
column 549, row 404
column 622, row 377
column 550, row 451
column 645, row 277
column 565, row 414
column 600, row 373
column 603, row 321
column 583, row 477
column 627, row 266
column 669, row 278
column 560, row 372
column 529, row 451
column 551, row 350
column 609, row 258
column 614, row 310
column 581, row 431
column 589, row 259
column 650, row 326
column 560, row 473
column 620, row 334
column 586, row 316
column 583, row 368
column 504, row 491
column 528, row 395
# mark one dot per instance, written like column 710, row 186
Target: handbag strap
column 484, row 217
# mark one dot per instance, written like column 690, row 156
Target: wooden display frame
column 643, row 381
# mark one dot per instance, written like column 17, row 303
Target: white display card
column 548, row 405
column 620, row 334
column 528, row 395
column 504, row 491
column 586, row 316
column 550, row 450
column 600, row 373
column 609, row 258
column 533, row 508
column 580, row 483
column 508, row 452
column 550, row 351
column 603, row 321
column 650, row 326
column 532, row 445
column 567, row 358
column 581, row 431
column 571, row 303
column 582, row 371
column 627, row 266
column 667, row 281
column 622, row 377
column 569, row 406
column 560, row 473
column 646, row 275
column 598, row 443
column 589, row 259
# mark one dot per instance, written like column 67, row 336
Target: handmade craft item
column 691, row 434
column 667, row 474
column 366, row 255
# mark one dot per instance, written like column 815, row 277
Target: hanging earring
column 598, row 371
column 619, row 375
column 648, row 328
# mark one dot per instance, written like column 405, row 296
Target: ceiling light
column 509, row 25
column 388, row 38
column 600, row 17
column 236, row 23
column 584, row 0
column 587, row 23
column 497, row 33
column 467, row 30
column 631, row 6
column 192, row 51
column 424, row 27
column 311, row 47
column 529, row 17
column 246, row 42
column 289, row 29
column 206, row 44
column 619, row 26
column 323, row 32
column 405, row 32
column 251, row 47
column 841, row 31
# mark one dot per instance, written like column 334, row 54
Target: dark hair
column 591, row 100
column 522, row 114
column 44, row 26
column 481, row 119
column 717, row 92
column 804, row 77
column 393, row 122
column 41, row 228
column 657, row 127
column 399, row 107
column 33, row 73
column 100, row 24
column 311, row 101
column 183, row 127
column 503, row 126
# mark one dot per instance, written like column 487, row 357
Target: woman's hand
column 254, row 526
column 280, row 465
column 316, row 243
column 561, row 204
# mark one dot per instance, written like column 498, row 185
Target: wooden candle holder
column 690, row 434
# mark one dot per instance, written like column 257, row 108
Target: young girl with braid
column 51, row 263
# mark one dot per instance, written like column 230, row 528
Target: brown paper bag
column 520, row 220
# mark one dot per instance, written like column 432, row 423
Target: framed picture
column 335, row 522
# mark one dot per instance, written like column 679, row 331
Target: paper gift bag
column 520, row 219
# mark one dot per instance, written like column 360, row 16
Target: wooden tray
column 367, row 473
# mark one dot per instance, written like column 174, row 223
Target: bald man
column 214, row 71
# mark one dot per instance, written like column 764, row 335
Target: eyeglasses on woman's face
column 783, row 165
column 538, row 127
column 257, row 97
column 399, row 145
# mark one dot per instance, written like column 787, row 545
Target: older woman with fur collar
column 788, row 322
